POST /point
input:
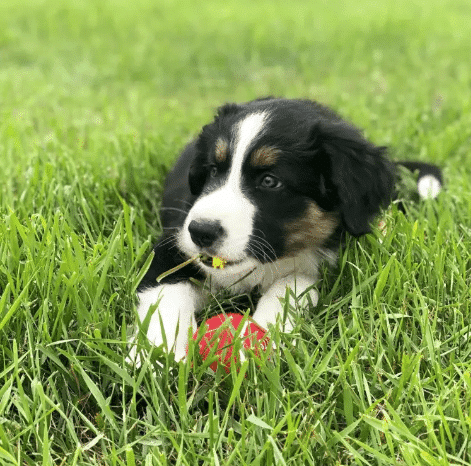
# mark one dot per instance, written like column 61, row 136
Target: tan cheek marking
column 265, row 156
column 221, row 150
column 311, row 230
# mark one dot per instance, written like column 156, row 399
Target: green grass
column 96, row 100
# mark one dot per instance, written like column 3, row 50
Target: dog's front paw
column 270, row 306
column 173, row 315
column 270, row 310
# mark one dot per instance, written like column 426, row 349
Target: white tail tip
column 429, row 187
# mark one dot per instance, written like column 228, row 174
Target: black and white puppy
column 269, row 186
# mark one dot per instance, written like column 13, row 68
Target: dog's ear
column 198, row 173
column 199, row 168
column 357, row 170
column 227, row 110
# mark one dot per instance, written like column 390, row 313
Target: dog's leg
column 174, row 314
column 269, row 307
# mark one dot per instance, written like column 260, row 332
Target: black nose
column 204, row 233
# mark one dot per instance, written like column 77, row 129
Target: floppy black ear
column 358, row 170
column 197, row 175
column 199, row 168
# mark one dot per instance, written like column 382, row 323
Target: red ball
column 221, row 330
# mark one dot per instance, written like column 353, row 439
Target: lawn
column 97, row 98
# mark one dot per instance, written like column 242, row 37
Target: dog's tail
column 430, row 178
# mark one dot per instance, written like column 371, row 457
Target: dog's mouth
column 208, row 261
column 216, row 262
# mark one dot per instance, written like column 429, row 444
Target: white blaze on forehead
column 247, row 130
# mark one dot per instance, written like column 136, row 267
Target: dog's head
column 274, row 177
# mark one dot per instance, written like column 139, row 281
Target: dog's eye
column 270, row 182
column 213, row 171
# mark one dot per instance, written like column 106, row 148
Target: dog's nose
column 204, row 233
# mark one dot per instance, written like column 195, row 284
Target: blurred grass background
column 96, row 101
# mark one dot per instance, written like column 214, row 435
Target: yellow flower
column 218, row 263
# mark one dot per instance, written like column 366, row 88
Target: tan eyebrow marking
column 221, row 150
column 265, row 156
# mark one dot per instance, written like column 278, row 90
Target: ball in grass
column 218, row 339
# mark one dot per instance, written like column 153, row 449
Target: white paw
column 271, row 307
column 172, row 309
column 269, row 310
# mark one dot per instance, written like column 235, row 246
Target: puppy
column 269, row 187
